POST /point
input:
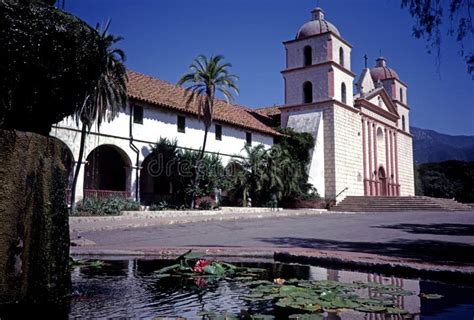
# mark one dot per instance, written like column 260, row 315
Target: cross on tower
column 366, row 58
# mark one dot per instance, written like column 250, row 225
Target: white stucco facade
column 157, row 123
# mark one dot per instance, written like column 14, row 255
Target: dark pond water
column 128, row 289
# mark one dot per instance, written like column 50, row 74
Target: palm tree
column 251, row 172
column 106, row 97
column 207, row 76
column 267, row 174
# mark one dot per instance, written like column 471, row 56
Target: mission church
column 363, row 145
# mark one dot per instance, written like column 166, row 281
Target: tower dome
column 316, row 26
column 382, row 72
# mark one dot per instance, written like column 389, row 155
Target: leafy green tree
column 208, row 76
column 264, row 174
column 107, row 96
column 179, row 170
column 449, row 179
column 418, row 182
column 48, row 62
column 298, row 146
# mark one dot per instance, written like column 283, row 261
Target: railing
column 104, row 194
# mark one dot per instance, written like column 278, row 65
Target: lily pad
column 262, row 317
column 190, row 255
column 370, row 308
column 430, row 296
column 214, row 269
column 396, row 311
column 167, row 269
column 306, row 316
column 328, row 295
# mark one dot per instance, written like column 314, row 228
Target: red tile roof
column 269, row 111
column 163, row 94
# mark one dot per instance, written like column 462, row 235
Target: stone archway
column 107, row 173
column 383, row 182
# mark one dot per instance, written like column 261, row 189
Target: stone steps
column 390, row 204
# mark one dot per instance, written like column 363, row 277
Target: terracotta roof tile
column 164, row 94
column 269, row 111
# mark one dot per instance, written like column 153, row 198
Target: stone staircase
column 391, row 204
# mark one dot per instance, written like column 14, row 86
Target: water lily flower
column 200, row 265
column 200, row 282
column 279, row 281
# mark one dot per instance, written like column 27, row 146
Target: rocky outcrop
column 34, row 233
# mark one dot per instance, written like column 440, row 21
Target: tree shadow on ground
column 418, row 250
column 449, row 229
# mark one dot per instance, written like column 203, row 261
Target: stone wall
column 405, row 164
column 348, row 153
column 34, row 232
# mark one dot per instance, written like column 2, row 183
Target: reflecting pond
column 131, row 289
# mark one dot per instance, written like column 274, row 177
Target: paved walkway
column 443, row 238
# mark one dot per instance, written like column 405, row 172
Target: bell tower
column 318, row 64
column 319, row 100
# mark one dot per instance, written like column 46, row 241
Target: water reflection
column 128, row 289
column 412, row 304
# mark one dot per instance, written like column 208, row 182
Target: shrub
column 106, row 207
column 162, row 205
column 205, row 203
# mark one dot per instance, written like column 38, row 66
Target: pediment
column 381, row 100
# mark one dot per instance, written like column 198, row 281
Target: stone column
column 80, row 181
column 392, row 176
column 375, row 161
column 34, row 228
column 135, row 182
column 396, row 165
column 369, row 134
column 364, row 158
column 387, row 162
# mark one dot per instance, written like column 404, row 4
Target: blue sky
column 161, row 38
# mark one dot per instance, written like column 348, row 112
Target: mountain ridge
column 432, row 146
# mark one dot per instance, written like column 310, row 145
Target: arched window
column 307, row 92
column 403, row 123
column 308, row 56
column 341, row 56
column 343, row 93
column 401, row 95
column 380, row 135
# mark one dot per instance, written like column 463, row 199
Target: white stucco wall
column 311, row 121
column 336, row 45
column 339, row 78
column 294, row 81
column 162, row 123
column 295, row 51
column 403, row 112
column 157, row 123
